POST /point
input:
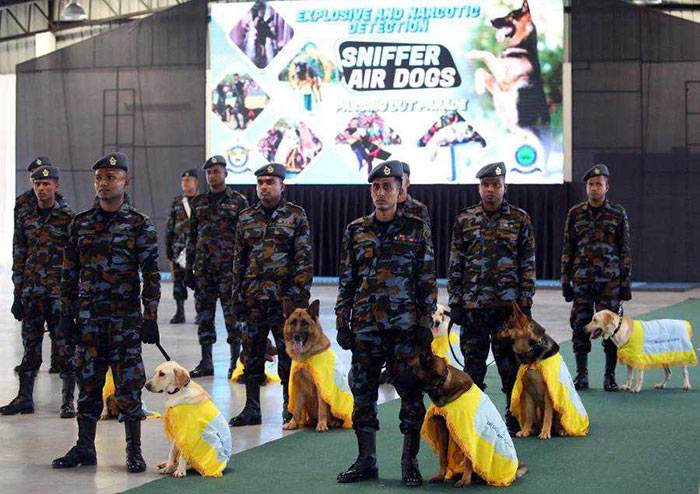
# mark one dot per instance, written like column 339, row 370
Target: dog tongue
column 298, row 347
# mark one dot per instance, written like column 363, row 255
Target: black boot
column 206, row 365
column 609, row 383
column 179, row 316
column 251, row 411
column 134, row 461
column 23, row 403
column 512, row 423
column 581, row 379
column 55, row 367
column 410, row 474
column 365, row 467
column 83, row 453
column 286, row 414
column 67, row 395
column 235, row 352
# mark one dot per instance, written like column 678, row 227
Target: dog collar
column 178, row 389
column 443, row 378
column 619, row 322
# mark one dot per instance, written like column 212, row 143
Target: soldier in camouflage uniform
column 210, row 261
column 386, row 294
column 176, row 232
column 39, row 239
column 596, row 264
column 26, row 202
column 107, row 247
column 273, row 261
column 407, row 203
column 492, row 260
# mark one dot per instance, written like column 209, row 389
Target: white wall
column 7, row 168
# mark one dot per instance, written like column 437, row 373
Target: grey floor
column 30, row 442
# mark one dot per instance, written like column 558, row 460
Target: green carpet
column 649, row 442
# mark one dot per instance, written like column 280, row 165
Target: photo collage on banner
column 331, row 89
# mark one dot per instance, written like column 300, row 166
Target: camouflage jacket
column 178, row 227
column 386, row 282
column 492, row 257
column 415, row 208
column 213, row 230
column 596, row 245
column 102, row 260
column 273, row 257
column 37, row 250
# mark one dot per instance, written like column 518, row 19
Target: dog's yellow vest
column 478, row 431
column 565, row 399
column 330, row 380
column 108, row 389
column 270, row 375
column 202, row 436
column 659, row 343
column 441, row 345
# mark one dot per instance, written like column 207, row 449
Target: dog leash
column 165, row 354
column 452, row 350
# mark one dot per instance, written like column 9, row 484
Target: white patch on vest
column 340, row 378
column 665, row 336
column 491, row 427
column 218, row 436
column 568, row 383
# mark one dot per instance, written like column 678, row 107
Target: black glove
column 149, row 332
column 625, row 293
column 345, row 338
column 567, row 291
column 18, row 308
column 68, row 328
column 458, row 315
column 189, row 279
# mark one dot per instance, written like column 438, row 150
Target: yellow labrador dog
column 641, row 345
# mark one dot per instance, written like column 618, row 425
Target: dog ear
column 314, row 308
column 181, row 377
column 287, row 307
column 525, row 8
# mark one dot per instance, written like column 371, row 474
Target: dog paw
column 438, row 479
column 463, row 483
column 523, row 433
column 321, row 427
column 636, row 390
column 291, row 425
column 660, row 386
column 686, row 387
column 179, row 473
column 545, row 435
column 624, row 387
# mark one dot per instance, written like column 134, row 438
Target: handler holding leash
column 597, row 260
column 386, row 293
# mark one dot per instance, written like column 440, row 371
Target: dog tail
column 521, row 471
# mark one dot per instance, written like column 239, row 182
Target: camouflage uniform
column 386, row 293
column 272, row 260
column 176, row 233
column 415, row 208
column 100, row 288
column 492, row 259
column 39, row 241
column 210, row 253
column 596, row 260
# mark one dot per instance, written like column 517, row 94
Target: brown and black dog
column 444, row 384
column 304, row 338
column 532, row 344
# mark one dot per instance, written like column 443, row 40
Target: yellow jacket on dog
column 478, row 431
column 330, row 380
column 270, row 375
column 658, row 343
column 566, row 401
column 202, row 436
column 441, row 345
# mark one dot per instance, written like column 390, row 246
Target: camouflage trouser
column 264, row 316
column 589, row 298
column 213, row 286
column 476, row 338
column 110, row 341
column 369, row 353
column 179, row 288
column 39, row 311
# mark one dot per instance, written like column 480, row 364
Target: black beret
column 271, row 170
column 39, row 161
column 497, row 169
column 214, row 160
column 112, row 160
column 192, row 172
column 386, row 170
column 44, row 172
column 597, row 171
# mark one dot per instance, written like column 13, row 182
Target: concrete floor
column 30, row 442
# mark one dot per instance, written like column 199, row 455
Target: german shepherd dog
column 304, row 338
column 514, row 77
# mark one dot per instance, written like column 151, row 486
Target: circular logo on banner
column 526, row 155
column 237, row 158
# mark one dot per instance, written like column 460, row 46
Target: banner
column 331, row 89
